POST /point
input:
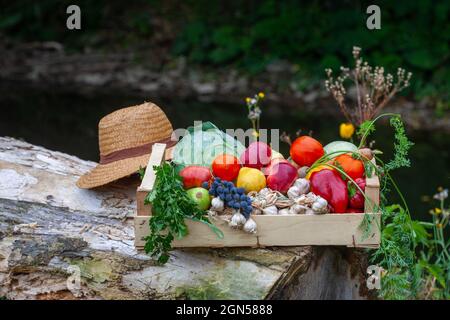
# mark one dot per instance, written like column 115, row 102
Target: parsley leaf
column 170, row 206
column 401, row 146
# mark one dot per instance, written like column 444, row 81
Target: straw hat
column 125, row 138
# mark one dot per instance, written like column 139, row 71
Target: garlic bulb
column 302, row 171
column 306, row 199
column 217, row 204
column 270, row 210
column 320, row 205
column 211, row 213
column 256, row 202
column 264, row 191
column 298, row 209
column 232, row 224
column 250, row 226
column 237, row 220
column 293, row 192
column 312, row 196
column 303, row 185
column 300, row 187
column 284, row 212
column 309, row 212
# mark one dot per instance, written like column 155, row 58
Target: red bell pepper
column 329, row 185
column 357, row 200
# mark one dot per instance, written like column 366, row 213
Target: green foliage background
column 251, row 34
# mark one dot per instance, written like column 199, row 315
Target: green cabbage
column 202, row 143
column 343, row 146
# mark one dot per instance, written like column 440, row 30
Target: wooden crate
column 273, row 230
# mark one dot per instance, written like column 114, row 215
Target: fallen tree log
column 61, row 242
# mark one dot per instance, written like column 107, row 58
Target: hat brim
column 103, row 174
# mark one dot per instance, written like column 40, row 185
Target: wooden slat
column 200, row 235
column 143, row 209
column 372, row 193
column 295, row 230
column 373, row 198
column 373, row 181
column 320, row 230
column 156, row 158
column 169, row 153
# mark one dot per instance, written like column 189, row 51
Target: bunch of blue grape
column 231, row 196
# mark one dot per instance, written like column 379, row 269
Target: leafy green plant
column 416, row 263
column 434, row 259
column 402, row 145
column 396, row 255
column 400, row 235
column 170, row 206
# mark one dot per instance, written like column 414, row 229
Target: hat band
column 134, row 152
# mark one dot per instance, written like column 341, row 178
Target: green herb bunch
column 405, row 251
column 415, row 262
column 400, row 236
column 170, row 206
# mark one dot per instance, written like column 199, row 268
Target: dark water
column 66, row 120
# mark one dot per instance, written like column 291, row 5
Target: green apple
column 200, row 197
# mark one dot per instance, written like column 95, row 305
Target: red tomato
column 306, row 150
column 194, row 176
column 353, row 167
column 226, row 167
